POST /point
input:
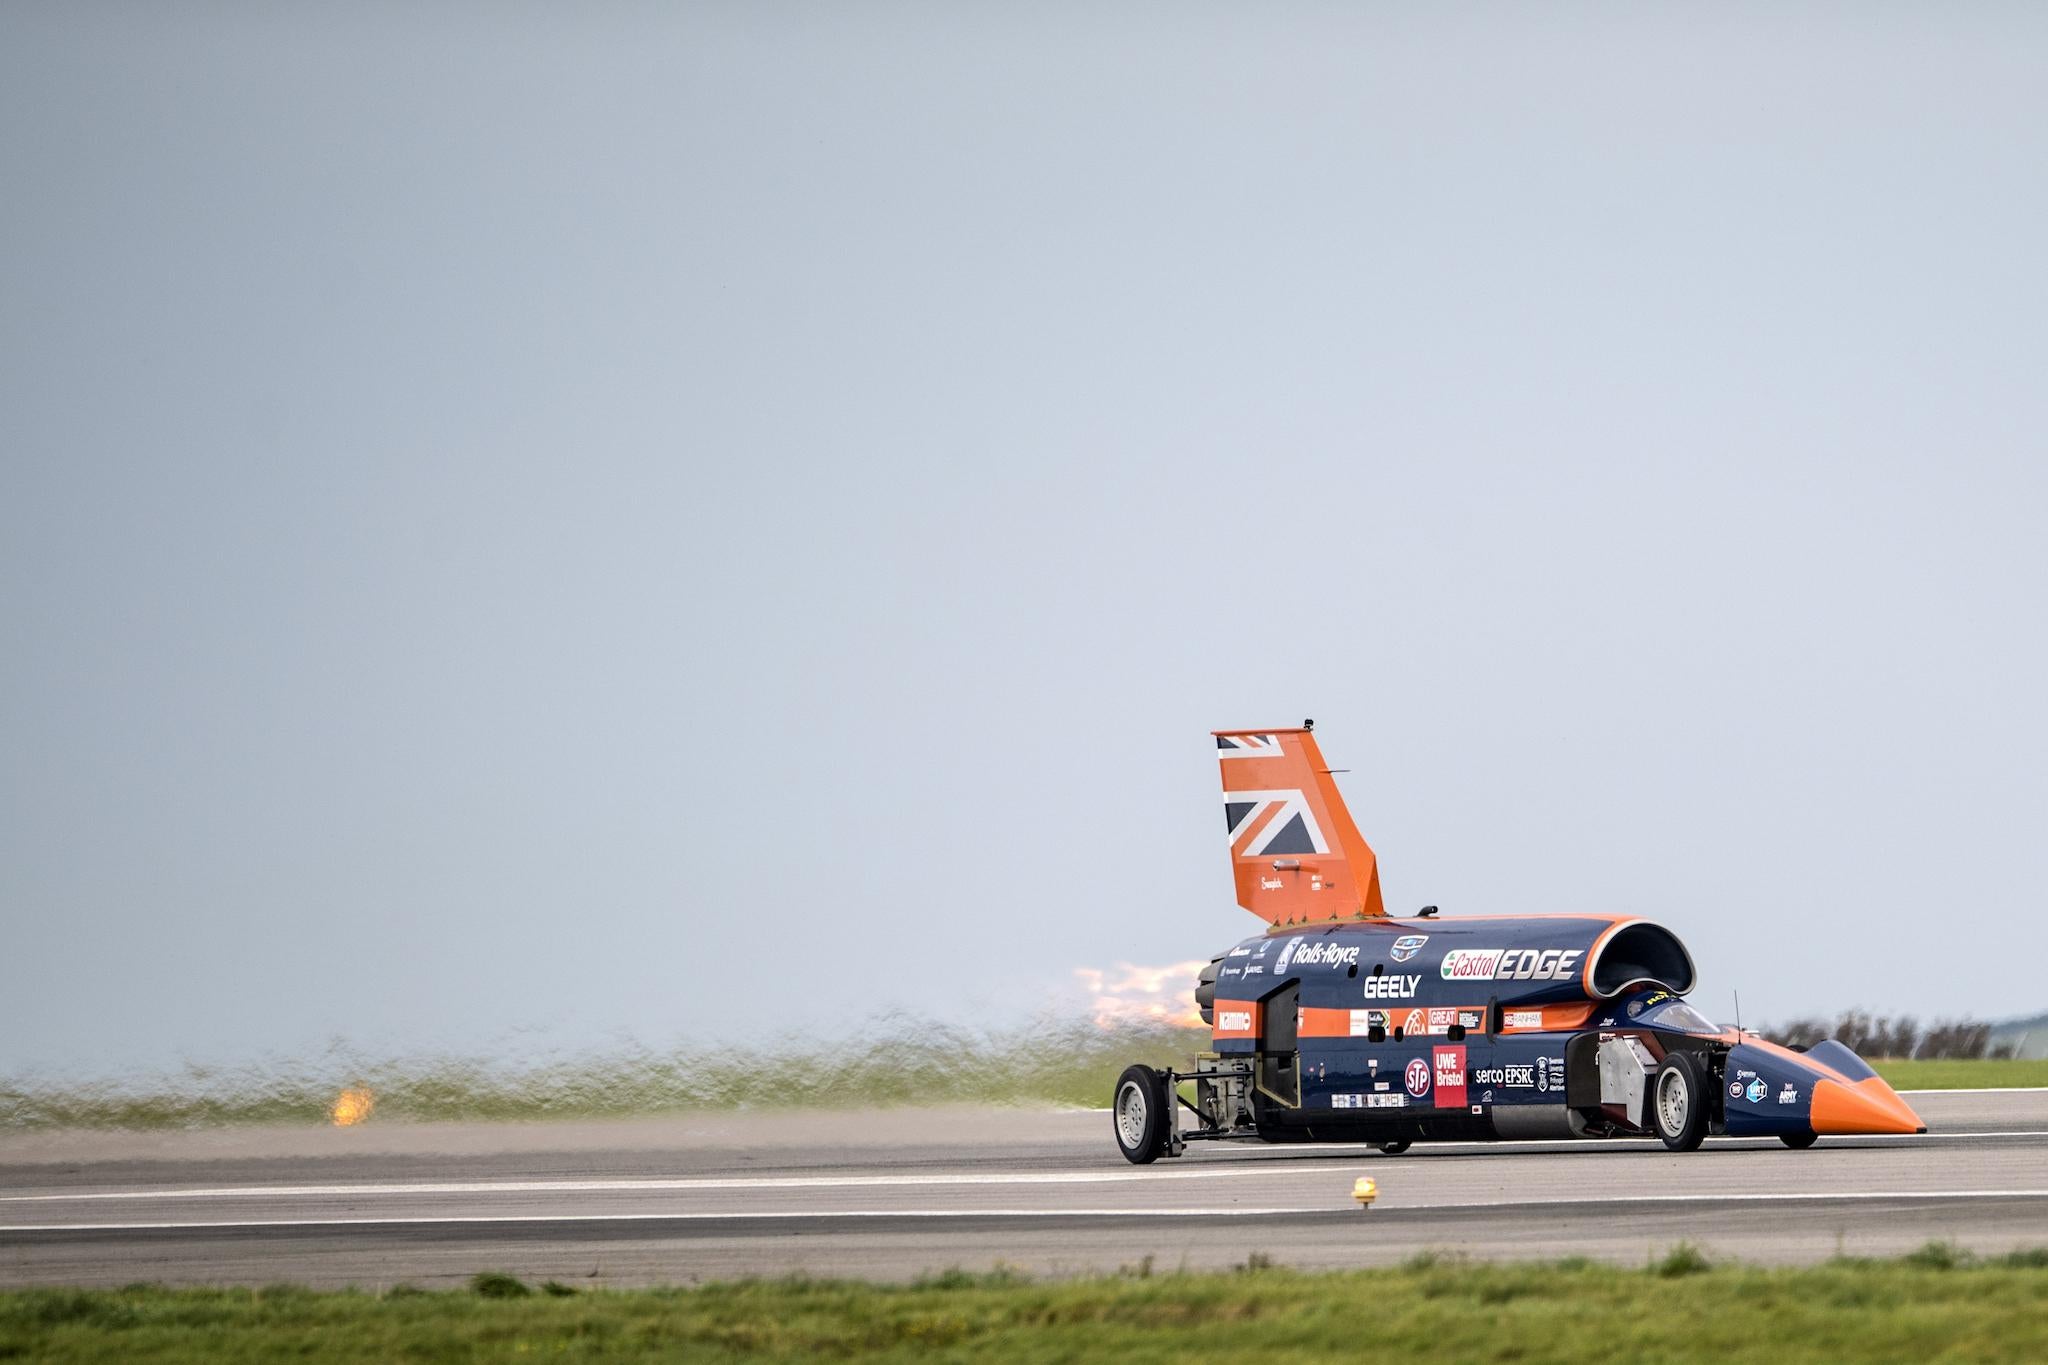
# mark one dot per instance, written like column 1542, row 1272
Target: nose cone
column 1867, row 1106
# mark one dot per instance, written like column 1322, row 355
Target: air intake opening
column 1641, row 955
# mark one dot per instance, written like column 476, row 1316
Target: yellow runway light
column 1365, row 1191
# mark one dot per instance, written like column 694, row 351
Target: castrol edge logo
column 1511, row 964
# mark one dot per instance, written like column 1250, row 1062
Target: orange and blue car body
column 1339, row 1023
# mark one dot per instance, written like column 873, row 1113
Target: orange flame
column 352, row 1106
column 1143, row 995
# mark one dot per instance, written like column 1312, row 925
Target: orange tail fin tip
column 1295, row 854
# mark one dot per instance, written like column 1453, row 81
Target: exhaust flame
column 352, row 1106
column 1130, row 995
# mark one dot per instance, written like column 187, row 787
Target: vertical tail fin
column 1294, row 852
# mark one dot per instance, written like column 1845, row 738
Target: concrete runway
column 895, row 1194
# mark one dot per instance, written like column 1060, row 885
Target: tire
column 1394, row 1148
column 1801, row 1140
column 1139, row 1111
column 1678, row 1102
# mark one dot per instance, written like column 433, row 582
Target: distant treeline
column 1887, row 1036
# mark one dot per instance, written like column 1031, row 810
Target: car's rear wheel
column 1140, row 1113
column 1394, row 1148
column 1678, row 1102
column 1801, row 1140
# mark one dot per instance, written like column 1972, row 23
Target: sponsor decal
column 1484, row 1098
column 1228, row 971
column 1271, row 884
column 1735, row 1090
column 1324, row 953
column 1407, row 946
column 1439, row 1020
column 1417, row 1078
column 1239, row 952
column 1264, row 944
column 1788, row 1095
column 1372, row 1064
column 1549, row 1071
column 1233, row 1021
column 1385, row 1101
column 1468, row 1019
column 1515, row 1077
column 1511, row 964
column 1524, row 1019
column 1635, row 1009
column 1285, row 954
column 1395, row 987
column 1450, row 1076
column 1382, row 1085
column 1378, row 1017
column 1755, row 1091
column 1256, row 969
column 1361, row 1023
column 1414, row 1023
column 1347, row 1101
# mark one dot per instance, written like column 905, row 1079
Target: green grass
column 2003, row 1075
column 1939, row 1305
column 902, row 1062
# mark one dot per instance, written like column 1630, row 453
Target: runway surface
column 896, row 1194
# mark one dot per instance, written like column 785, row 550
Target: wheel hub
column 1130, row 1115
column 1673, row 1103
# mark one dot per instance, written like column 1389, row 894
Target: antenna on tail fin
column 1295, row 854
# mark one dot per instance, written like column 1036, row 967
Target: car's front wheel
column 1678, row 1102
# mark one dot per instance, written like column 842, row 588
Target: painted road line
column 675, row 1186
column 1273, row 1165
column 427, row 1220
column 832, row 1215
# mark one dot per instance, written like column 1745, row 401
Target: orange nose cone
column 1869, row 1106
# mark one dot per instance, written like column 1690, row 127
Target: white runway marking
column 466, row 1218
column 827, row 1215
column 768, row 1182
column 1226, row 1170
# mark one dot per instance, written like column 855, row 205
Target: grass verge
column 1939, row 1304
column 899, row 1061
column 2003, row 1074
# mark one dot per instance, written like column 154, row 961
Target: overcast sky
column 526, row 527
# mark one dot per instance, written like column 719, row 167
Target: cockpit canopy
column 1675, row 1016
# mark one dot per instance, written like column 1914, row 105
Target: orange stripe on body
column 1228, row 1014
column 1550, row 1018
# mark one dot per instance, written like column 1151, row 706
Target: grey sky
column 521, row 527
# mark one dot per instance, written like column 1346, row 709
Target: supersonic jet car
column 1339, row 1024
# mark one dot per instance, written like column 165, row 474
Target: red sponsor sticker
column 1450, row 1077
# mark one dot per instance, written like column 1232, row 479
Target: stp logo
column 1418, row 1078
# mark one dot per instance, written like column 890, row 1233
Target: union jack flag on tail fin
column 1294, row 852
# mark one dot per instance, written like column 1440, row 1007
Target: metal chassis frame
column 1209, row 1067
